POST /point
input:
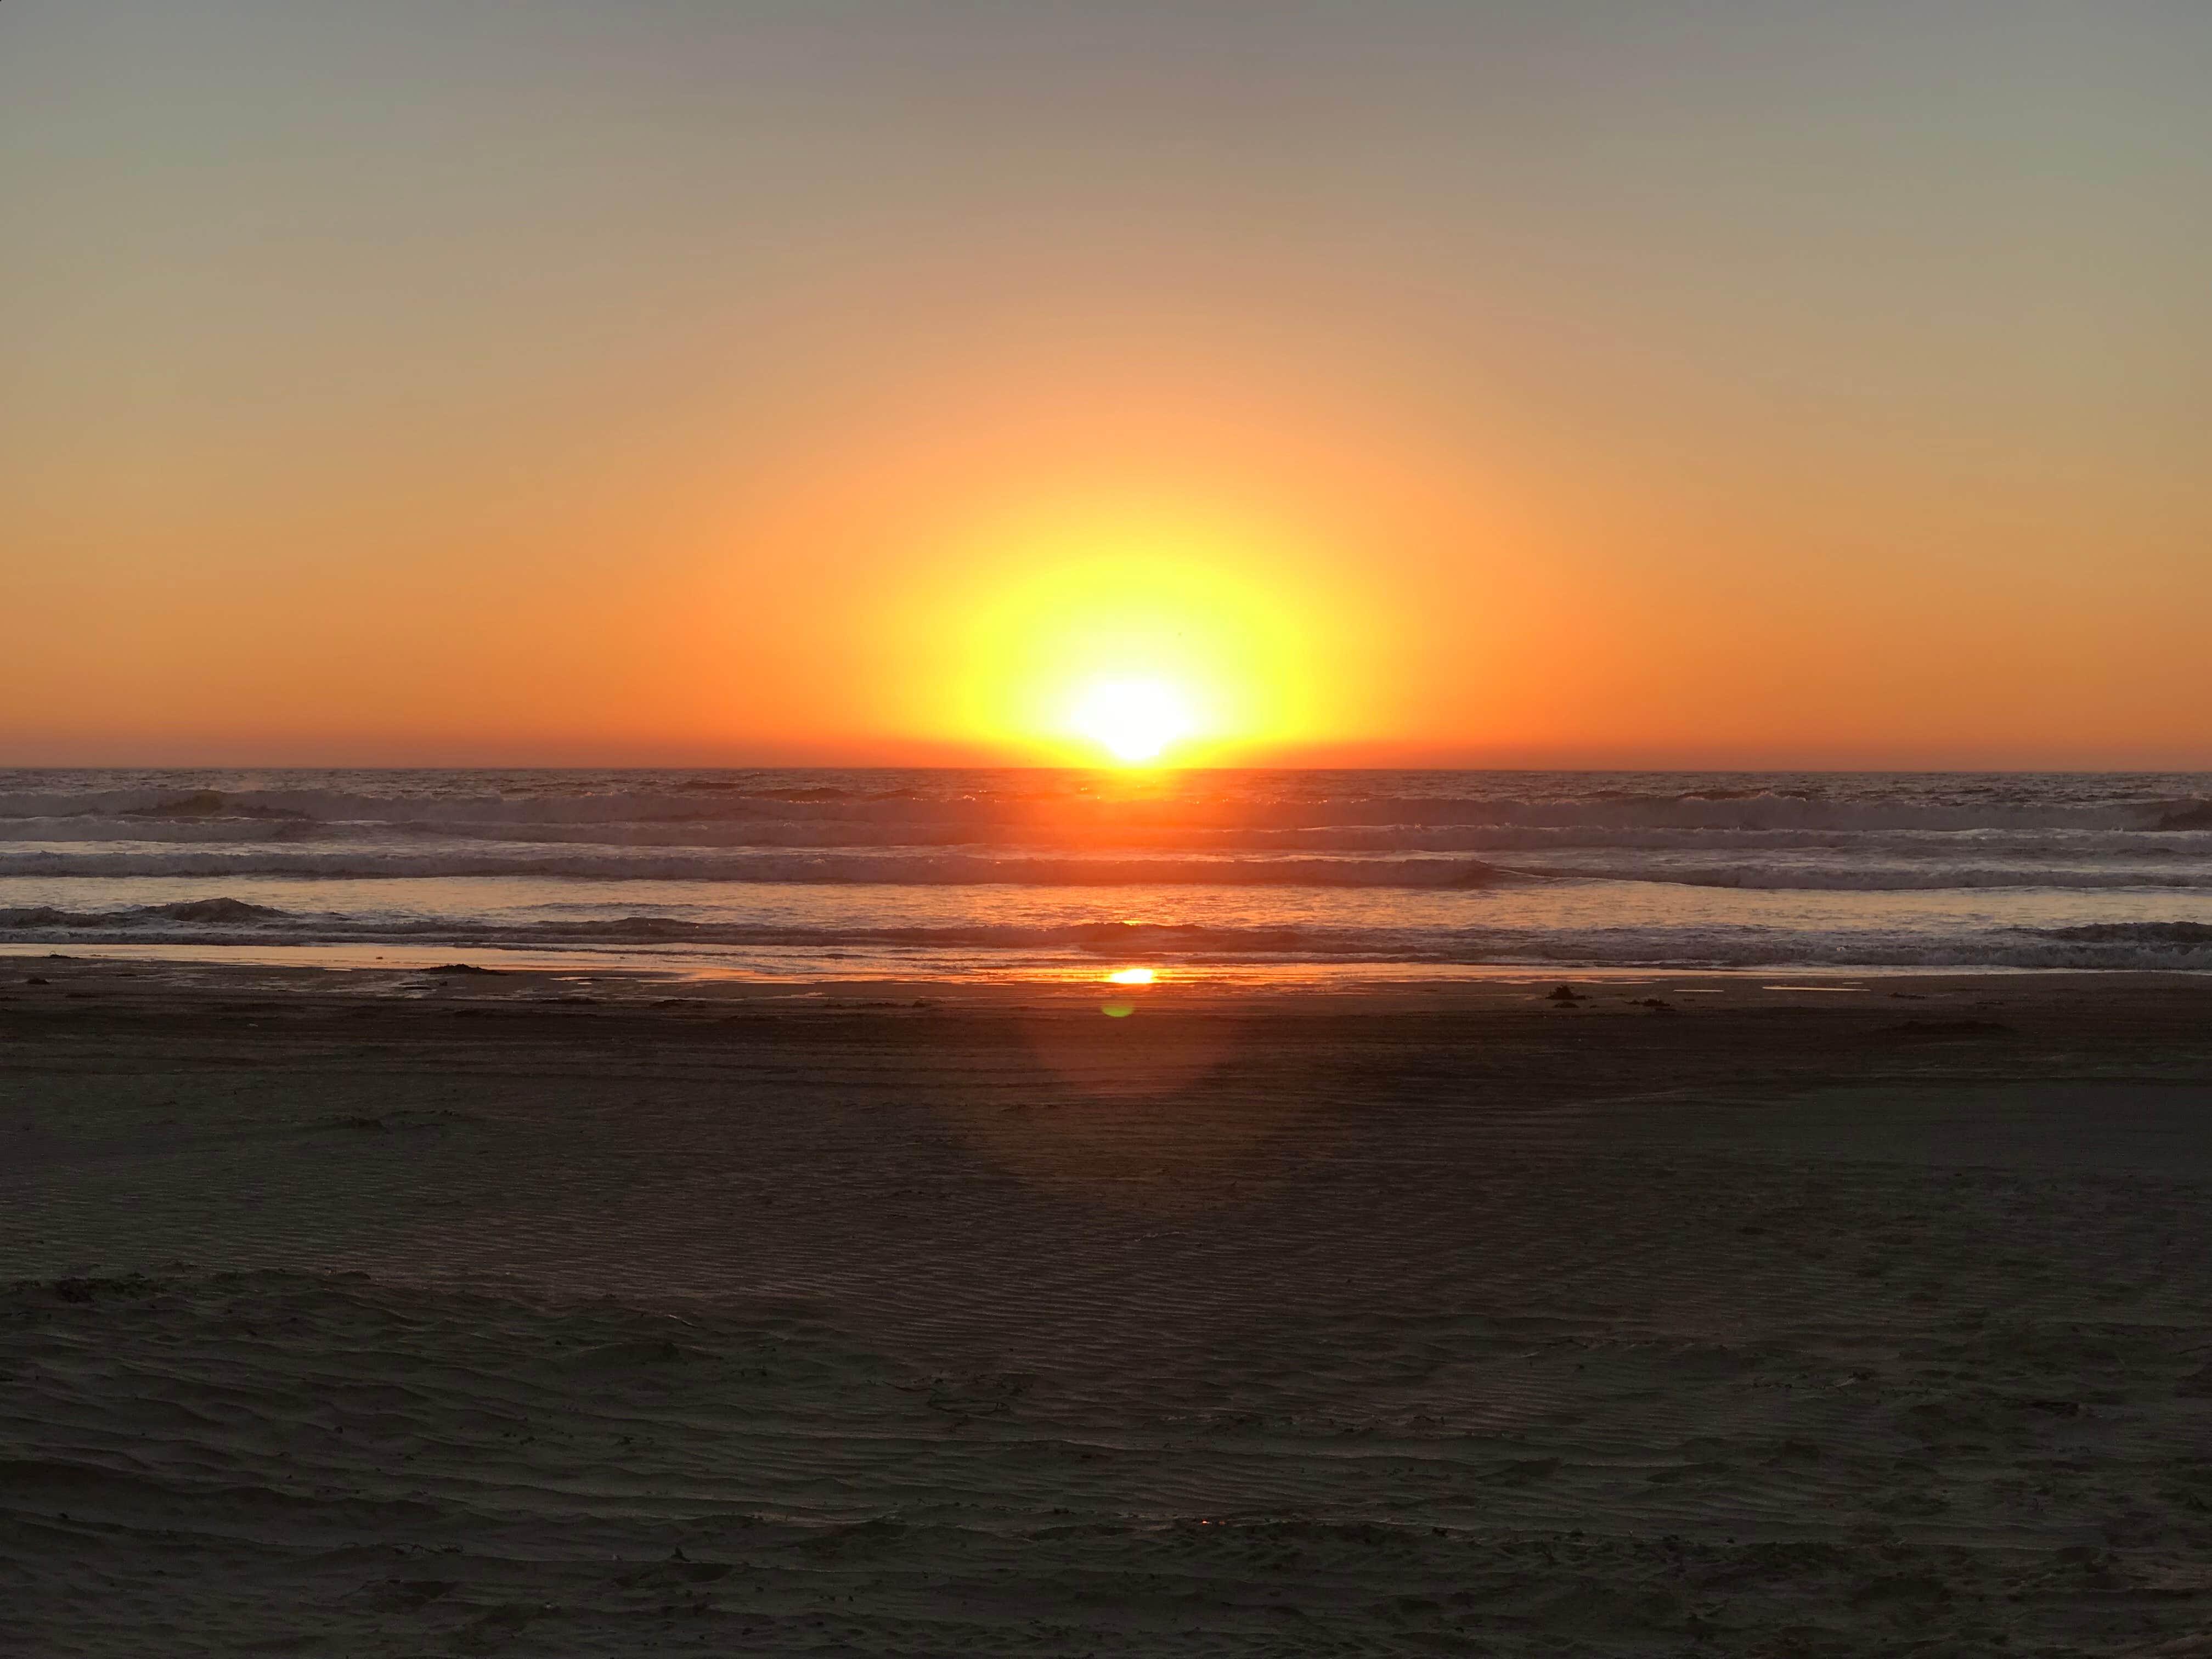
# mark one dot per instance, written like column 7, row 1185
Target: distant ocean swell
column 1004, row 812
column 854, row 871
column 1985, row 842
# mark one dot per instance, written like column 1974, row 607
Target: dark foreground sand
column 385, row 1315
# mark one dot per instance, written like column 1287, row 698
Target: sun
column 1134, row 721
column 1139, row 634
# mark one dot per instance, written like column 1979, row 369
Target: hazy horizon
column 1136, row 780
column 1564, row 385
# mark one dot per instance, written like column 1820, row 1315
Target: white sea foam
column 739, row 865
column 2152, row 945
column 1859, row 873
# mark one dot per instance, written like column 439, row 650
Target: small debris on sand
column 1939, row 1027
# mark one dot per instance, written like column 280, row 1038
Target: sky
column 869, row 381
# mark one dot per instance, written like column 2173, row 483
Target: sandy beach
column 1183, row 830
column 367, row 1313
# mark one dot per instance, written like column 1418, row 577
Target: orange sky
column 1410, row 383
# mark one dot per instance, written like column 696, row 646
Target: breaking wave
column 91, row 834
column 737, row 864
column 2188, row 935
column 153, row 924
column 1631, row 870
column 2141, row 946
column 1847, row 877
column 913, row 866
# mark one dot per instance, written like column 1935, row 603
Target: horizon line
column 1861, row 769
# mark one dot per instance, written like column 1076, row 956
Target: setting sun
column 1133, row 720
column 750, row 582
column 1168, row 631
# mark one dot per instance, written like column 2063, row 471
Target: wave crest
column 740, row 864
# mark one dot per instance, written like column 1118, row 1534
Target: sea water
column 867, row 873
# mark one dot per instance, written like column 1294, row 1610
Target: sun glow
column 1134, row 721
column 1181, row 635
column 1131, row 977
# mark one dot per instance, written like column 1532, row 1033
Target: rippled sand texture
column 347, row 1328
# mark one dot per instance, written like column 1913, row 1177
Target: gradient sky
column 1515, row 383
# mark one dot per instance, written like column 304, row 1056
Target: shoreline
column 366, row 970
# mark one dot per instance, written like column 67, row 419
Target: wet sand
column 409, row 1314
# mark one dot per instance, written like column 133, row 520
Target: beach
column 402, row 1312
column 1201, row 831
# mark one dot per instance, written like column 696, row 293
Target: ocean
column 866, row 874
